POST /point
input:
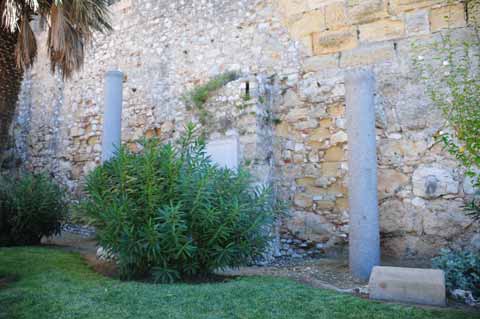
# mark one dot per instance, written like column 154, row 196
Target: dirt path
column 329, row 273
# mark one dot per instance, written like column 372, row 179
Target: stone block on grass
column 411, row 285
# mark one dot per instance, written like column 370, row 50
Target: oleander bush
column 462, row 270
column 31, row 206
column 168, row 211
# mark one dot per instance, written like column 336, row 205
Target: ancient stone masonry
column 287, row 109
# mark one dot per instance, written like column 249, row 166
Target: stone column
column 112, row 117
column 364, row 234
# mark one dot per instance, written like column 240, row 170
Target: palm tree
column 70, row 25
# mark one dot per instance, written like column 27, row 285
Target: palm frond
column 70, row 27
column 26, row 48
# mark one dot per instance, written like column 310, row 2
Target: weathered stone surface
column 288, row 108
column 446, row 213
column 319, row 63
column 303, row 200
column 335, row 154
column 292, row 7
column 367, row 55
column 329, row 42
column 390, row 181
column 417, row 22
column 452, row 16
column 310, row 226
column 364, row 11
column 382, row 30
column 308, row 23
column 433, row 181
column 420, row 286
column 339, row 138
column 398, row 217
column 335, row 15
column 399, row 6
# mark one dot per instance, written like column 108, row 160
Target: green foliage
column 473, row 208
column 31, row 206
column 199, row 95
column 462, row 270
column 453, row 84
column 168, row 211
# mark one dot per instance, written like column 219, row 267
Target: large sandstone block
column 329, row 42
column 363, row 11
column 452, row 16
column 319, row 63
column 367, row 55
column 434, row 181
column 420, row 286
column 382, row 30
column 398, row 6
column 292, row 7
column 313, row 21
column 335, row 15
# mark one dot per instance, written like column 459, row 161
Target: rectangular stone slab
column 412, row 285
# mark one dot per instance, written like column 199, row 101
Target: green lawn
column 54, row 284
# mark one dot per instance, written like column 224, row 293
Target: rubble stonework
column 287, row 109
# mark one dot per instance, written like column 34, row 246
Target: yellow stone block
column 382, row 30
column 330, row 168
column 398, row 6
column 342, row 203
column 305, row 181
column 326, row 122
column 448, row 17
column 310, row 22
column 335, row 154
column 329, row 42
column 292, row 7
column 325, row 204
column 319, row 134
column 335, row 15
column 338, row 187
column 363, row 11
column 93, row 140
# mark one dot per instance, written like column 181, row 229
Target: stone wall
column 292, row 55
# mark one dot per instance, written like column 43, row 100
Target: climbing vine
column 452, row 81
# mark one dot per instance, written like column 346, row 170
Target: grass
column 54, row 284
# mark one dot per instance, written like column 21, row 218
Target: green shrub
column 201, row 93
column 462, row 270
column 31, row 206
column 168, row 211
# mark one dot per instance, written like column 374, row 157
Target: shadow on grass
column 9, row 302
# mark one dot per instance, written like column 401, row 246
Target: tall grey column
column 364, row 250
column 112, row 117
